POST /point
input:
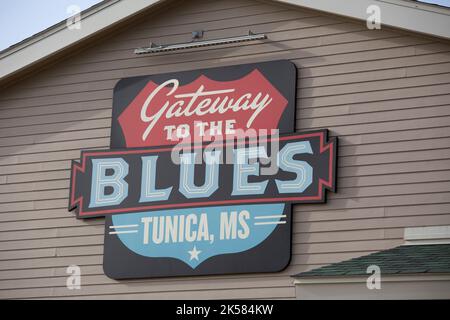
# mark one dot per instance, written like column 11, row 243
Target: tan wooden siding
column 385, row 93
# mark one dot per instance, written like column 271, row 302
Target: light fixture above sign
column 203, row 170
column 154, row 48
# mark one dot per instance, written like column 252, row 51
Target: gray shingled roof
column 406, row 259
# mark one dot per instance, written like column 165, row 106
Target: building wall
column 385, row 93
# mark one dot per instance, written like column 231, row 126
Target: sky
column 20, row 19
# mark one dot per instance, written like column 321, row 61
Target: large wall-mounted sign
column 203, row 169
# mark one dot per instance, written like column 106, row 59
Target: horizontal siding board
column 359, row 157
column 417, row 210
column 387, row 94
column 70, row 140
column 363, row 86
column 45, row 157
column 97, row 270
column 26, row 293
column 208, row 7
column 326, row 258
column 94, row 275
column 42, row 216
column 366, row 170
column 272, row 21
column 39, row 176
column 30, row 112
column 49, row 262
column 56, row 127
column 343, row 246
column 140, row 286
column 47, row 272
column 55, row 118
column 381, row 59
column 394, row 179
column 313, row 44
column 35, row 167
column 394, row 152
column 345, row 193
column 394, row 157
column 63, row 136
column 53, row 203
column 350, row 146
column 386, row 59
column 320, row 86
column 365, row 213
column 34, row 195
column 347, row 235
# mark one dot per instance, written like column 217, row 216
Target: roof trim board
column 59, row 37
column 407, row 15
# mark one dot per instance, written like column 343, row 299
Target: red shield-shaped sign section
column 162, row 114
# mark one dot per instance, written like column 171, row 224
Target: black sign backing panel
column 223, row 233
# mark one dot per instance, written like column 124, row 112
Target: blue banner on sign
column 194, row 235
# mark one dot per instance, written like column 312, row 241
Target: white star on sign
column 194, row 253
